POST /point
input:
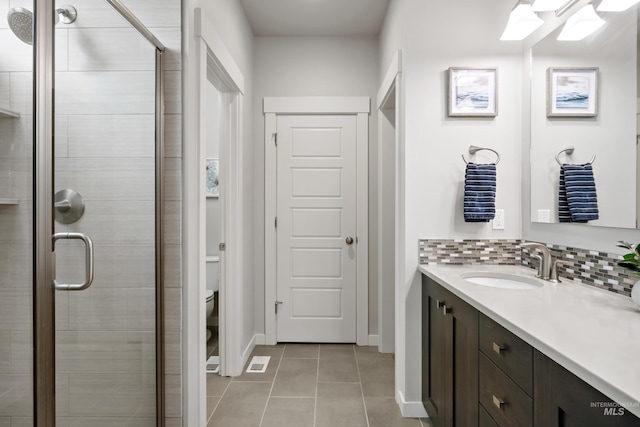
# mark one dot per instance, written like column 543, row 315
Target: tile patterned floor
column 310, row 385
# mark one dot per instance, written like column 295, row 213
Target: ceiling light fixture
column 580, row 25
column 522, row 22
column 547, row 5
column 616, row 5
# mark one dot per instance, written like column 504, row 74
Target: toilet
column 213, row 285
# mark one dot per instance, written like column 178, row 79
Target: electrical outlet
column 544, row 215
column 498, row 220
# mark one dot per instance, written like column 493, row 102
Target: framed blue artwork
column 572, row 92
column 473, row 92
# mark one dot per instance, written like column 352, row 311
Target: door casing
column 389, row 246
column 359, row 107
column 212, row 63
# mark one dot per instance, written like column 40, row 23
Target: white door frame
column 386, row 295
column 394, row 77
column 359, row 107
column 213, row 64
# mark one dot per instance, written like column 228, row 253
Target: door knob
column 349, row 240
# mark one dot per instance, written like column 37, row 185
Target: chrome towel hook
column 569, row 151
column 474, row 149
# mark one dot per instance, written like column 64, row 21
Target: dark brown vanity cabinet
column 450, row 357
column 564, row 400
column 477, row 373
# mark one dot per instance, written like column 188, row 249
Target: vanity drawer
column 510, row 353
column 505, row 402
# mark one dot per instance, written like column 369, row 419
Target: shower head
column 21, row 23
column 21, row 20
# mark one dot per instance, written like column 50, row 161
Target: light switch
column 544, row 215
column 498, row 220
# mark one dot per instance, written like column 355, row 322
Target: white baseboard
column 247, row 353
column 411, row 409
column 374, row 340
column 261, row 339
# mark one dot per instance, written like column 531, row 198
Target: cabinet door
column 465, row 361
column 437, row 347
column 560, row 399
column 450, row 357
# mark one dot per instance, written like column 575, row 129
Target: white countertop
column 593, row 333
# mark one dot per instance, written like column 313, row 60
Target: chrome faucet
column 554, row 270
column 547, row 268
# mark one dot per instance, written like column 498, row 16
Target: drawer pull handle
column 445, row 310
column 498, row 402
column 497, row 348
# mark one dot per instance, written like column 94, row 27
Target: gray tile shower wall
column 104, row 138
column 585, row 266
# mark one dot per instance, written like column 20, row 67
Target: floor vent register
column 258, row 364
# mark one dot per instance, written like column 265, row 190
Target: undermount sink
column 502, row 280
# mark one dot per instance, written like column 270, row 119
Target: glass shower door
column 16, row 218
column 104, row 188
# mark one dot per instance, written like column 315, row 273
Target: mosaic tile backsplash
column 506, row 252
column 593, row 268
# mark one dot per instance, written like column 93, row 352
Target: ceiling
column 269, row 18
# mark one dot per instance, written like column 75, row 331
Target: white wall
column 434, row 37
column 313, row 66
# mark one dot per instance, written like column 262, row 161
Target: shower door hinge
column 275, row 138
column 277, row 303
column 276, row 222
column 222, row 246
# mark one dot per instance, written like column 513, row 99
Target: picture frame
column 572, row 92
column 473, row 92
column 213, row 168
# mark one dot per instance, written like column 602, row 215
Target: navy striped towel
column 577, row 199
column 479, row 193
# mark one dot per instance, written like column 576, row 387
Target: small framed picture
column 572, row 92
column 212, row 178
column 473, row 92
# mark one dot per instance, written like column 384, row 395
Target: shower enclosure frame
column 43, row 225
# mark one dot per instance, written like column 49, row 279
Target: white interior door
column 316, row 230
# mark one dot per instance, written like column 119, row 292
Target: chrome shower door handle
column 88, row 260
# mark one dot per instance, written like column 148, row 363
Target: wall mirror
column 562, row 86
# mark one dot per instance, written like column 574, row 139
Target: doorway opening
column 390, row 204
column 387, row 222
column 215, row 115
